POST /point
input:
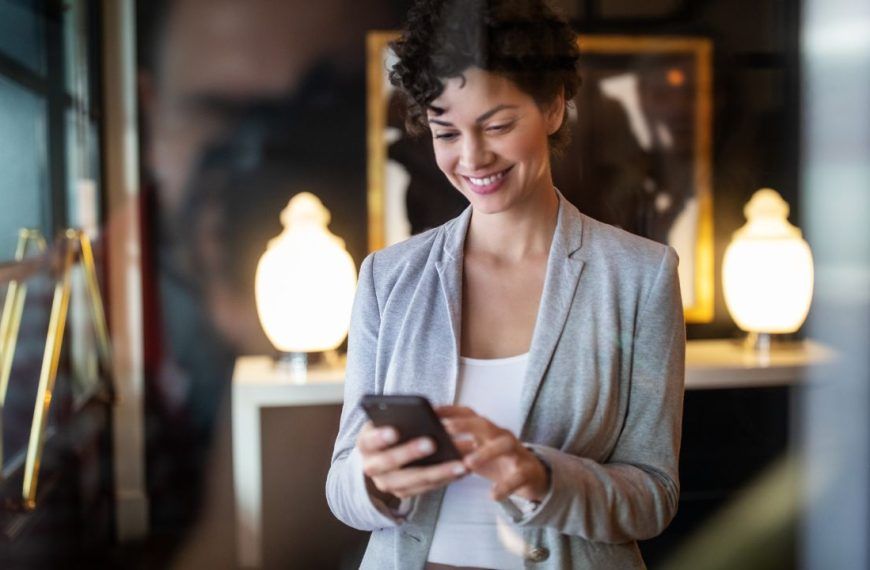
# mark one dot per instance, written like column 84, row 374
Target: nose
column 474, row 154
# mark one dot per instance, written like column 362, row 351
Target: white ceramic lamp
column 305, row 283
column 767, row 272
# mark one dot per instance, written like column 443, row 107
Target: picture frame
column 640, row 155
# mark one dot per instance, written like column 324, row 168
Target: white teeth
column 486, row 181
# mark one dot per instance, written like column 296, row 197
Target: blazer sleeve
column 633, row 496
column 346, row 489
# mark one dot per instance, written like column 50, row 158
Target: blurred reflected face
column 221, row 54
column 214, row 58
column 490, row 140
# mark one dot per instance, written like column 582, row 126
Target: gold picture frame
column 677, row 141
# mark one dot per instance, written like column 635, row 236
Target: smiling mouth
column 488, row 180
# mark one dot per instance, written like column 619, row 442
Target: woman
column 553, row 343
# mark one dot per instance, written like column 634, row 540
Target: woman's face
column 490, row 140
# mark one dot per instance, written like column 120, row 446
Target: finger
column 455, row 411
column 501, row 445
column 514, row 478
column 479, row 427
column 422, row 479
column 505, row 487
column 372, row 439
column 464, row 445
column 474, row 424
column 395, row 457
column 414, row 481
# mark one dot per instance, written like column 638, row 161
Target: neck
column 523, row 231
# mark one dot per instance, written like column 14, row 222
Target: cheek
column 445, row 160
column 528, row 144
column 531, row 148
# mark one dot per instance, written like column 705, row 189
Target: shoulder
column 410, row 251
column 408, row 258
column 625, row 251
column 632, row 272
column 626, row 266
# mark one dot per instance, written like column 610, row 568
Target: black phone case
column 413, row 417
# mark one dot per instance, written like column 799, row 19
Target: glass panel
column 22, row 32
column 23, row 185
column 82, row 212
column 24, row 379
column 76, row 67
column 84, row 355
column 82, row 163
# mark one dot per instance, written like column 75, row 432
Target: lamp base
column 758, row 342
column 294, row 365
column 297, row 365
column 762, row 345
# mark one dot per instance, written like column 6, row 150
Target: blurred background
column 144, row 422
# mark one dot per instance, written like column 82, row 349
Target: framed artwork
column 639, row 157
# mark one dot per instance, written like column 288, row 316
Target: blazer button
column 538, row 554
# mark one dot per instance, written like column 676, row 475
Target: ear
column 554, row 113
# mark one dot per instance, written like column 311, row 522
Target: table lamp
column 304, row 285
column 767, row 272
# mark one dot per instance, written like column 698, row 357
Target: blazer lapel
column 449, row 269
column 560, row 285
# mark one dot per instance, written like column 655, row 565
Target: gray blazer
column 602, row 399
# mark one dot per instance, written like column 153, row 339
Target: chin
column 490, row 204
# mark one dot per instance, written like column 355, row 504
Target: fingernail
column 459, row 469
column 389, row 435
column 426, row 446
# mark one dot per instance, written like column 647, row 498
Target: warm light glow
column 767, row 272
column 676, row 77
column 305, row 281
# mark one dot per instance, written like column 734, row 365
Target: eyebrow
column 480, row 119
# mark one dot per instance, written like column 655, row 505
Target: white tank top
column 472, row 529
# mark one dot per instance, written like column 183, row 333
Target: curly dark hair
column 522, row 40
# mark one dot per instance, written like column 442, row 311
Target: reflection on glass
column 82, row 181
column 24, row 380
column 23, row 185
column 75, row 50
column 22, row 32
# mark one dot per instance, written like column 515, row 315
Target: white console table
column 257, row 384
column 716, row 364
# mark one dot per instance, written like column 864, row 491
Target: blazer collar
column 567, row 238
column 560, row 284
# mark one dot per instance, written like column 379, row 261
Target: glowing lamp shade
column 767, row 272
column 305, row 281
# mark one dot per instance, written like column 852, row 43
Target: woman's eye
column 445, row 136
column 499, row 128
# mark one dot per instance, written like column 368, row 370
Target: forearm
column 615, row 502
column 346, row 490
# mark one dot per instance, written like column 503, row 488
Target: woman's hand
column 495, row 453
column 384, row 464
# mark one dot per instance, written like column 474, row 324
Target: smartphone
column 412, row 417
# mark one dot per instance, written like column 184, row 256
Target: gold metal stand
column 73, row 242
column 10, row 322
